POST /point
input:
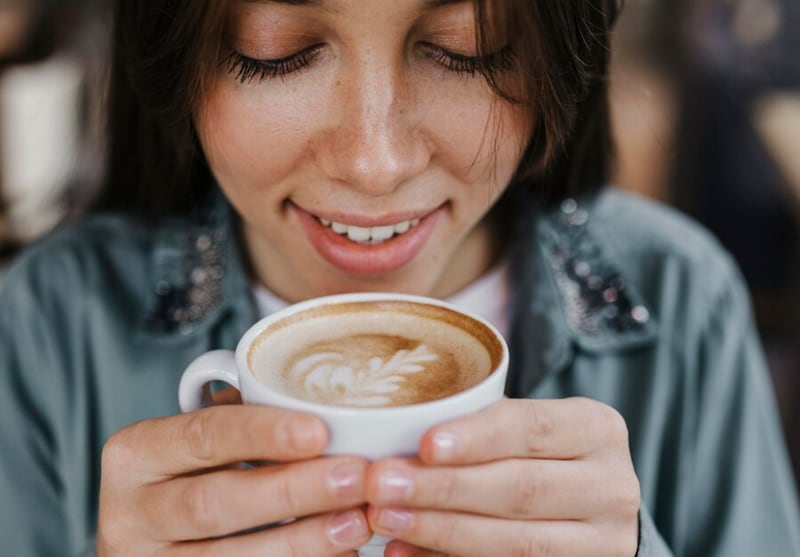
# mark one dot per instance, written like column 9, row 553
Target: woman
column 268, row 151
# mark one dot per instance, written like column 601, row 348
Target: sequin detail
column 595, row 294
column 190, row 285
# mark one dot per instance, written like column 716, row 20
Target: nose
column 374, row 141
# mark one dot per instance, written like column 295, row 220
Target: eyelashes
column 246, row 69
column 487, row 64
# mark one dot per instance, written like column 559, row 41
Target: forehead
column 326, row 3
column 347, row 10
column 354, row 8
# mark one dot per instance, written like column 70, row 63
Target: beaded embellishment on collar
column 595, row 294
column 189, row 263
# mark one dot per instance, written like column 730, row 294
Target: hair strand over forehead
column 560, row 65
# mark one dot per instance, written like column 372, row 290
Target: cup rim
column 247, row 376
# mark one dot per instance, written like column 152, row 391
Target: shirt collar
column 570, row 296
column 199, row 275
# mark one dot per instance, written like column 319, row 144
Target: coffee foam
column 374, row 354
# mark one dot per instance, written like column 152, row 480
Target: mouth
column 366, row 245
column 370, row 235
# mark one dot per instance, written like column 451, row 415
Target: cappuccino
column 368, row 354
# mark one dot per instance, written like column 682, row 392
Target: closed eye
column 469, row 65
column 246, row 69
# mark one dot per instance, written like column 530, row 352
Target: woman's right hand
column 168, row 487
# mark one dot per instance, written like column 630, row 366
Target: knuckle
column 630, row 497
column 116, row 524
column 614, row 425
column 286, row 494
column 606, row 422
column 252, row 428
column 527, row 488
column 198, row 436
column 199, row 505
column 447, row 488
column 118, row 449
column 524, row 545
column 541, row 427
column 448, row 534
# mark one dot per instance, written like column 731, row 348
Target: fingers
column 472, row 536
column 213, row 437
column 325, row 535
column 517, row 489
column 547, row 429
column 523, row 477
column 229, row 501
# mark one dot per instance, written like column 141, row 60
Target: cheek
column 510, row 136
column 245, row 140
column 480, row 138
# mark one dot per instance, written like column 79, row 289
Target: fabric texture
column 615, row 298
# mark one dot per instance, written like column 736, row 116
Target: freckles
column 231, row 150
column 253, row 137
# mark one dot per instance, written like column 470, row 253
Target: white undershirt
column 487, row 297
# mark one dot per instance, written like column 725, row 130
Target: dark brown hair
column 166, row 52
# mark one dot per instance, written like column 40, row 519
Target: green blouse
column 616, row 299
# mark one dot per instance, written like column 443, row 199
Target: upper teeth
column 372, row 234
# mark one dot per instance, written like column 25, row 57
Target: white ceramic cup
column 370, row 432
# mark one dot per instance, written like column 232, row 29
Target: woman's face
column 359, row 144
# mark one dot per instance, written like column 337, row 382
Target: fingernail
column 395, row 520
column 347, row 528
column 300, row 433
column 394, row 485
column 446, row 446
column 346, row 479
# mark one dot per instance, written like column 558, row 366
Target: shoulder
column 100, row 258
column 66, row 301
column 638, row 226
column 163, row 280
column 88, row 250
column 108, row 235
column 629, row 272
column 659, row 248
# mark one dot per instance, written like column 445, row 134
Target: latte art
column 372, row 355
column 345, row 373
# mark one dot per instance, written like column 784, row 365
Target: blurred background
column 705, row 99
column 52, row 56
column 705, row 107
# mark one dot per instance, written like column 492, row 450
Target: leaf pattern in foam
column 329, row 377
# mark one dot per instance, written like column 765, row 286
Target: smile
column 370, row 235
column 368, row 245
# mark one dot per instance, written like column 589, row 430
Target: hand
column 521, row 478
column 168, row 487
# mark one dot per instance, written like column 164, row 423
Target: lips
column 371, row 235
column 367, row 246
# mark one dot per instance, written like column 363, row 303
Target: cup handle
column 217, row 365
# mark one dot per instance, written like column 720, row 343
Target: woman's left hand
column 521, row 478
